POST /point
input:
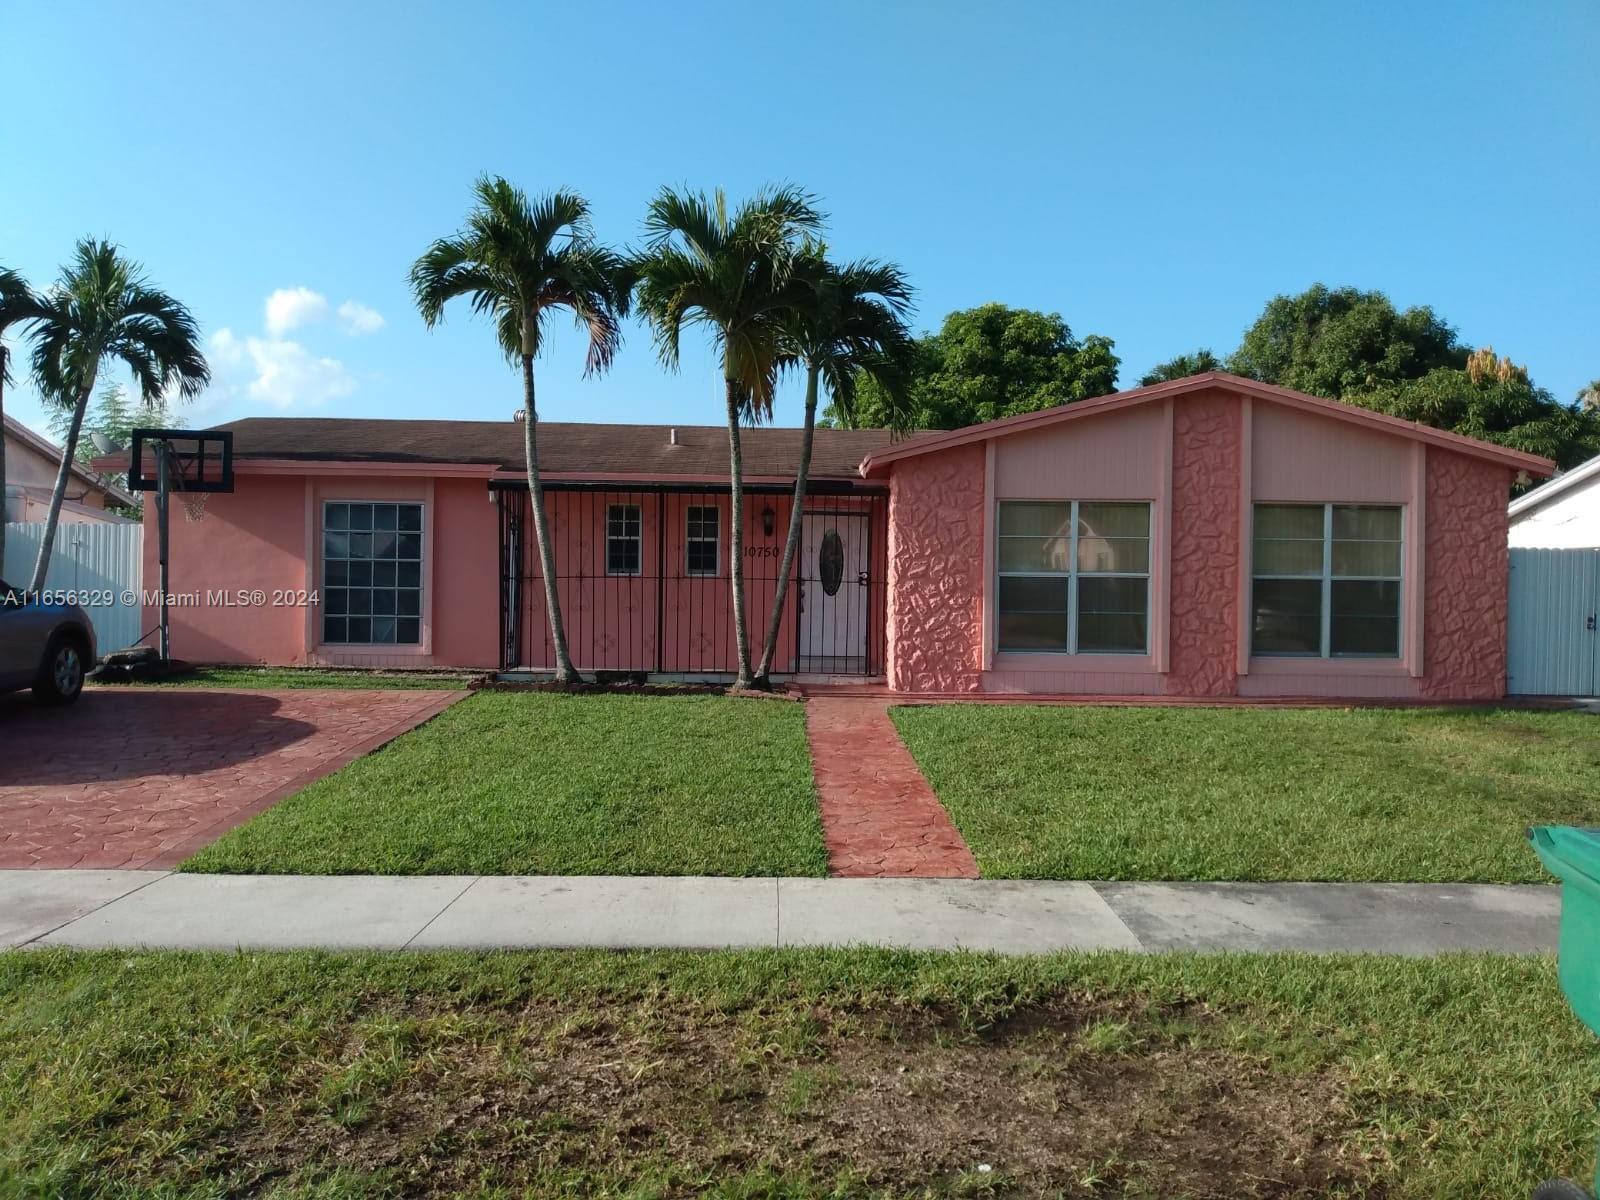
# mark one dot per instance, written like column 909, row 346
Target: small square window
column 624, row 539
column 700, row 546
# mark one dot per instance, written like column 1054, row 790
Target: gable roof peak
column 1239, row 384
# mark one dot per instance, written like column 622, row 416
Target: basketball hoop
column 194, row 506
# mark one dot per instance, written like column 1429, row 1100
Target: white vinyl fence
column 96, row 562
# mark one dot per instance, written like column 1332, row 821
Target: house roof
column 16, row 431
column 1562, row 483
column 877, row 460
column 565, row 448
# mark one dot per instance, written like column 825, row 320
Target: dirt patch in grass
column 1067, row 1098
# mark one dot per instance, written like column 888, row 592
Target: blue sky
column 1152, row 171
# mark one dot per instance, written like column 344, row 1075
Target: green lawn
column 524, row 783
column 791, row 1074
column 1254, row 794
column 282, row 678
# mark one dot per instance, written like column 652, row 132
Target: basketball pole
column 161, row 540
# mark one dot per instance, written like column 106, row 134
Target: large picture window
column 1074, row 577
column 700, row 540
column 624, row 539
column 371, row 573
column 1327, row 580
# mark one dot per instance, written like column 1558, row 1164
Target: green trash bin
column 1573, row 856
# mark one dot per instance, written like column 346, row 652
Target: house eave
column 1558, row 486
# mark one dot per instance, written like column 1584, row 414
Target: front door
column 834, row 593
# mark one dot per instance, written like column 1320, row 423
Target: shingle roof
column 566, row 447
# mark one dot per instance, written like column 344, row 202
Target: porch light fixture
column 769, row 519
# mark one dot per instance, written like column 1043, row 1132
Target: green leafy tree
column 1181, row 367
column 733, row 272
column 1589, row 396
column 522, row 262
column 116, row 418
column 988, row 362
column 1492, row 398
column 847, row 326
column 101, row 310
column 1333, row 341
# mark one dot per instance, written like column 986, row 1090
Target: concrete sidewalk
column 128, row 909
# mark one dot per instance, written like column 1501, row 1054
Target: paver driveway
column 143, row 777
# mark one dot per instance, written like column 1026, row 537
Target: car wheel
column 61, row 674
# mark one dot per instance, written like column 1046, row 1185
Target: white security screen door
column 834, row 615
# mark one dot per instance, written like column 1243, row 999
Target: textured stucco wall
column 1206, row 462
column 936, row 518
column 1466, row 574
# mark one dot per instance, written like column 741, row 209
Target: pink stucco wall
column 1204, row 614
column 252, row 538
column 265, row 537
column 936, row 536
column 1468, row 562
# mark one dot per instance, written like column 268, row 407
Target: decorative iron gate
column 643, row 581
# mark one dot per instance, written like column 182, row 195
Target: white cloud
column 291, row 307
column 357, row 319
column 277, row 372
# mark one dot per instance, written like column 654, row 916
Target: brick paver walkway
column 879, row 816
column 143, row 777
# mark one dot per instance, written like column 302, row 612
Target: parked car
column 44, row 646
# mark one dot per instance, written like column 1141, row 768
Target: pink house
column 1212, row 536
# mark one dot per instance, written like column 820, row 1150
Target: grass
column 786, row 1074
column 1398, row 795
column 545, row 784
column 290, row 678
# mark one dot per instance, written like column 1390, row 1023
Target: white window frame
column 691, row 538
column 422, row 576
column 1072, row 574
column 637, row 537
column 1328, row 579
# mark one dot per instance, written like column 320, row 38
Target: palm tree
column 735, row 274
column 102, row 308
column 853, row 324
column 13, row 290
column 1181, row 367
column 520, row 261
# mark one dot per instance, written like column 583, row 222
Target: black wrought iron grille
column 643, row 578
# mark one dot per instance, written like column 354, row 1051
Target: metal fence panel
column 642, row 577
column 97, row 561
column 1554, row 647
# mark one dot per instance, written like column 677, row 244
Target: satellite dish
column 102, row 443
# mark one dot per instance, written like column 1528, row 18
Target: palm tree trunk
column 541, row 526
column 69, row 455
column 4, row 516
column 741, row 634
column 791, row 544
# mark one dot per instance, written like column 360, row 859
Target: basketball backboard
column 198, row 460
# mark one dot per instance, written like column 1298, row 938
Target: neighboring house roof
column 1564, row 482
column 16, row 431
column 565, row 448
column 1080, row 409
